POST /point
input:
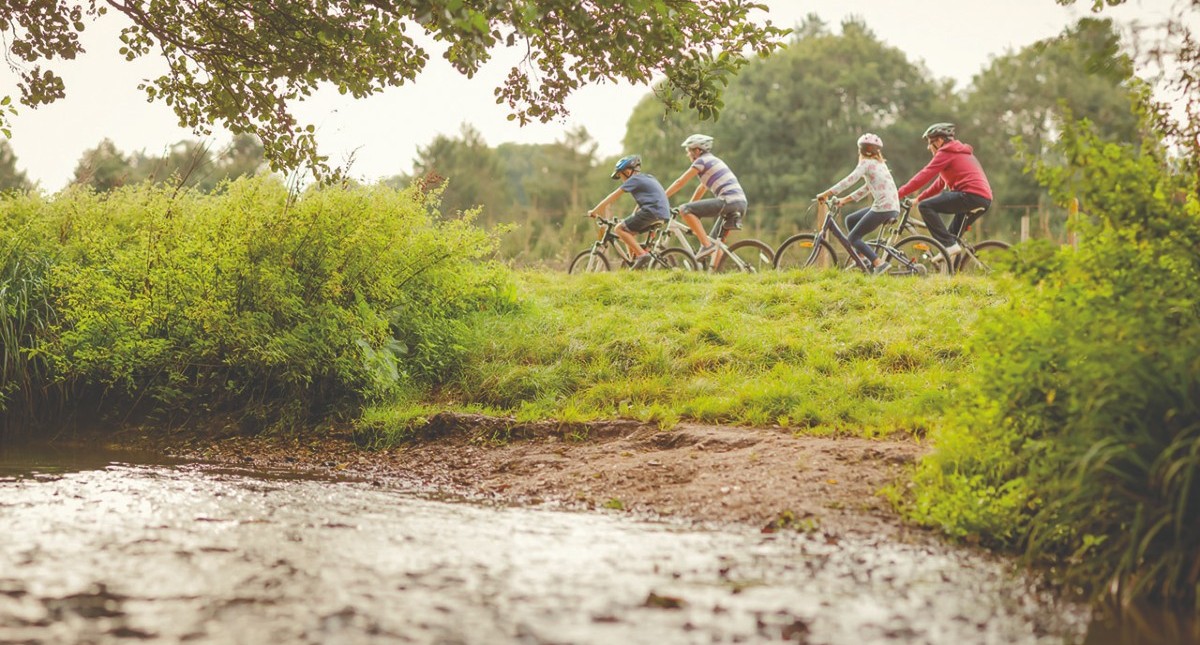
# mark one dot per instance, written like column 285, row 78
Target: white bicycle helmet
column 701, row 141
column 870, row 139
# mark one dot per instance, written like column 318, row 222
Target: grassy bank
column 819, row 352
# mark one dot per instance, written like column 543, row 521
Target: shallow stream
column 99, row 548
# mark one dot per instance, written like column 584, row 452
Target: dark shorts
column 714, row 207
column 641, row 221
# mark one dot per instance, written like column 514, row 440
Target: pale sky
column 953, row 38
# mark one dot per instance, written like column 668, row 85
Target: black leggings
column 958, row 204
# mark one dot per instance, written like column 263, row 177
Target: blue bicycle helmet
column 630, row 161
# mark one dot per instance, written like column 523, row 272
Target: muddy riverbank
column 764, row 477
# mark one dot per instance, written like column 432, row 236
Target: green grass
column 822, row 353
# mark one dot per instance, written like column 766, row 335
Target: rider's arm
column 699, row 192
column 848, row 180
column 931, row 169
column 687, row 176
column 934, row 188
column 606, row 202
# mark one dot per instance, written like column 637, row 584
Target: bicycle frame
column 718, row 234
column 906, row 222
column 830, row 226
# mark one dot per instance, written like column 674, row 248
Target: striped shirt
column 718, row 178
column 878, row 181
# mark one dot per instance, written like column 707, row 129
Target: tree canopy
column 1081, row 73
column 243, row 64
column 1174, row 48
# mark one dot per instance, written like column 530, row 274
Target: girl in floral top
column 878, row 180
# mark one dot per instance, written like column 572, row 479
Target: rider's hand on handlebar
column 845, row 200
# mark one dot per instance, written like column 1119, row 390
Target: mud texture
column 766, row 477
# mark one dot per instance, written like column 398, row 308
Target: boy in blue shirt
column 651, row 200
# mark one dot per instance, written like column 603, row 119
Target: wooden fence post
column 1025, row 227
column 1072, row 216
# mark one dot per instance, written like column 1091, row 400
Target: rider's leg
column 691, row 213
column 630, row 240
column 627, row 230
column 931, row 211
column 695, row 225
column 865, row 221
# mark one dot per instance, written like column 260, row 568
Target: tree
column 105, row 167
column 243, row 65
column 195, row 164
column 551, row 179
column 1025, row 93
column 187, row 163
column 10, row 177
column 473, row 173
column 1172, row 47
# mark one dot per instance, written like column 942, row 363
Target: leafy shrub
column 1079, row 439
column 253, row 300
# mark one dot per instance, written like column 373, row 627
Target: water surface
column 97, row 550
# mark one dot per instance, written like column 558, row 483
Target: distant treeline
column 787, row 130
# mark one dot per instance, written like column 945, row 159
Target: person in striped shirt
column 728, row 198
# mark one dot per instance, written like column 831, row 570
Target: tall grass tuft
column 25, row 316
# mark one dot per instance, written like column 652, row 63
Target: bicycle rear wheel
column 802, row 250
column 755, row 256
column 926, row 255
column 590, row 260
column 674, row 259
column 983, row 258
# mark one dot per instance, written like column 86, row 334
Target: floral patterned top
column 878, row 180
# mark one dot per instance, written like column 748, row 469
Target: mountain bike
column 748, row 255
column 595, row 258
column 976, row 258
column 902, row 234
column 910, row 256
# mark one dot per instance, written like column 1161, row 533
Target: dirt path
column 765, row 477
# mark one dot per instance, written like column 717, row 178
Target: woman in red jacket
column 961, row 188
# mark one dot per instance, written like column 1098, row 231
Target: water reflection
column 1141, row 624
column 19, row 460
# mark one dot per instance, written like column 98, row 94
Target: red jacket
column 957, row 169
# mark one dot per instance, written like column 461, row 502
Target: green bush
column 1079, row 437
column 251, row 300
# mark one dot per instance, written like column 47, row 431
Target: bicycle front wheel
column 925, row 255
column 753, row 256
column 802, row 250
column 675, row 259
column 590, row 260
column 983, row 257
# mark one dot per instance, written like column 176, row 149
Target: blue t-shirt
column 649, row 194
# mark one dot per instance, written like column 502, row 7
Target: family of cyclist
column 961, row 189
